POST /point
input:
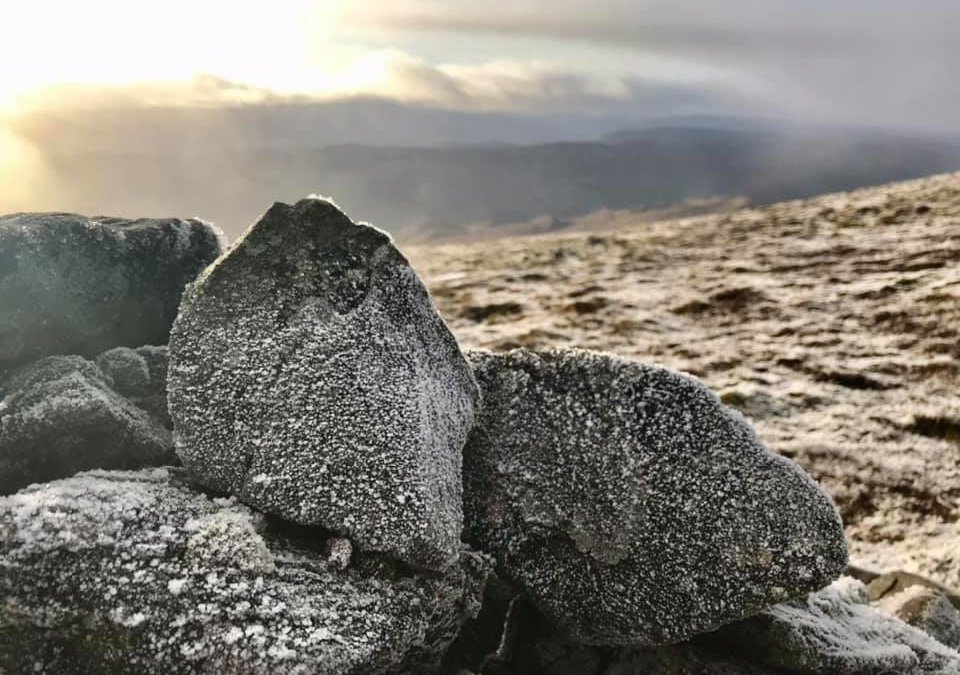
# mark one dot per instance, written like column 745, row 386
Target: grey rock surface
column 684, row 659
column 122, row 572
column 62, row 414
column 140, row 375
column 632, row 506
column 836, row 632
column 844, row 318
column 311, row 376
column 831, row 632
column 927, row 609
column 76, row 285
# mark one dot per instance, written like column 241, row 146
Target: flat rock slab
column 76, row 285
column 63, row 414
column 138, row 572
column 311, row 376
column 836, row 632
column 631, row 505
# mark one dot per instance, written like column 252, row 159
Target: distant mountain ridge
column 420, row 192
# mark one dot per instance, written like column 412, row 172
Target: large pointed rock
column 631, row 505
column 116, row 572
column 311, row 376
column 76, row 285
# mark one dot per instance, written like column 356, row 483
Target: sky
column 877, row 62
column 188, row 77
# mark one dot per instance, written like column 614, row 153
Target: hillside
column 832, row 324
column 195, row 166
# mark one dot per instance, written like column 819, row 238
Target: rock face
column 631, row 505
column 844, row 320
column 831, row 632
column 137, row 572
column 140, row 375
column 836, row 632
column 63, row 414
column 927, row 609
column 76, row 285
column 311, row 376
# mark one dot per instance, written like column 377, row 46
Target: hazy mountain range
column 421, row 172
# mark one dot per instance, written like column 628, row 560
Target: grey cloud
column 887, row 62
column 732, row 26
column 500, row 86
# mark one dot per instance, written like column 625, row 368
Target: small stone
column 126, row 572
column 631, row 505
column 61, row 415
column 311, row 376
column 339, row 553
column 76, row 285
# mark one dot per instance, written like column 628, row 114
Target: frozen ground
column 832, row 323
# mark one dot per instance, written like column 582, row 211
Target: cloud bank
column 882, row 62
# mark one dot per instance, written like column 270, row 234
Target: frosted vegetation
column 359, row 497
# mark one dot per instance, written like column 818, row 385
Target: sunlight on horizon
column 287, row 46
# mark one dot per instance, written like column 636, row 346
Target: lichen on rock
column 311, row 376
column 631, row 505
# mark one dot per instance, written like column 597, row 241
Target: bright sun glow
column 283, row 45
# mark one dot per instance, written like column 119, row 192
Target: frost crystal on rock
column 631, row 505
column 139, row 375
column 836, row 631
column 311, row 376
column 62, row 414
column 136, row 572
column 76, row 285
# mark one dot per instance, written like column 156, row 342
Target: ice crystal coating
column 62, row 414
column 836, row 631
column 311, row 376
column 927, row 609
column 76, row 285
column 140, row 375
column 121, row 572
column 631, row 505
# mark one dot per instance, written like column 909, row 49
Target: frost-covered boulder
column 631, row 505
column 138, row 572
column 62, row 414
column 836, row 632
column 76, row 285
column 311, row 376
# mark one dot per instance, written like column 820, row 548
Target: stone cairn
column 313, row 478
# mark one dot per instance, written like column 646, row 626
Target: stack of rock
column 357, row 495
column 79, row 299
